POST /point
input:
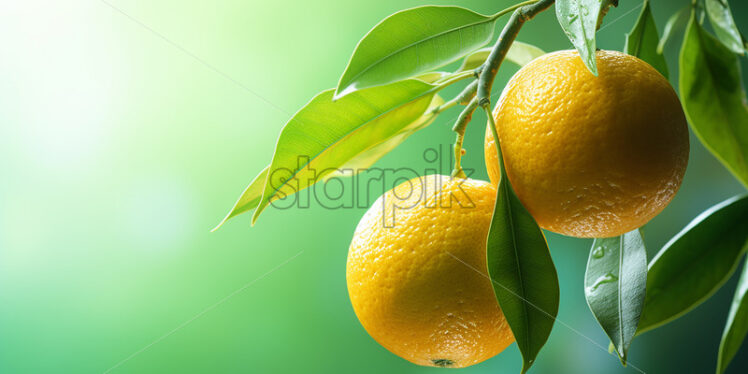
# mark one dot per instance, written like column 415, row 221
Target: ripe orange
column 590, row 156
column 417, row 273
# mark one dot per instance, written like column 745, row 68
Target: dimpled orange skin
column 419, row 285
column 590, row 156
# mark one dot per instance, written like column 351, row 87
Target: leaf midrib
column 523, row 300
column 589, row 42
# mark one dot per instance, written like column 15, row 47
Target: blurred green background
column 127, row 130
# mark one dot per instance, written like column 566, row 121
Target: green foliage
column 736, row 328
column 714, row 99
column 614, row 286
column 724, row 25
column 676, row 22
column 249, row 199
column 519, row 53
column 523, row 276
column 325, row 135
column 414, row 41
column 695, row 263
column 389, row 90
column 643, row 39
column 579, row 20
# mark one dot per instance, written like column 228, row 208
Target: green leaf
column 432, row 77
column 643, row 39
column 249, row 199
column 674, row 23
column 523, row 276
column 614, row 286
column 736, row 328
column 714, row 99
column 325, row 135
column 578, row 19
column 414, row 41
column 519, row 53
column 367, row 158
column 724, row 25
column 252, row 195
column 695, row 263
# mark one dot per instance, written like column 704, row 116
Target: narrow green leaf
column 368, row 157
column 578, row 19
column 714, row 99
column 522, row 272
column 724, row 25
column 249, row 199
column 695, row 263
column 614, row 286
column 414, row 41
column 674, row 23
column 519, row 53
column 252, row 195
column 642, row 41
column 325, row 135
column 736, row 328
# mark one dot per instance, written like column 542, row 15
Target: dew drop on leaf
column 607, row 278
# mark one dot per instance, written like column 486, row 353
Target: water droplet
column 598, row 252
column 607, row 278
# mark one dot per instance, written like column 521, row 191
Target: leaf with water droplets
column 579, row 20
column 614, row 286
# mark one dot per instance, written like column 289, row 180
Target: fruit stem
column 513, row 7
column 463, row 98
column 522, row 14
column 495, row 133
column 460, row 125
column 454, row 78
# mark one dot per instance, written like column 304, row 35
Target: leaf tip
column 526, row 364
column 341, row 91
column 217, row 227
column 621, row 356
column 226, row 218
column 592, row 64
column 256, row 214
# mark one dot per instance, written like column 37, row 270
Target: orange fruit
column 590, row 156
column 417, row 273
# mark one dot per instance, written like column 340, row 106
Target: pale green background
column 125, row 136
